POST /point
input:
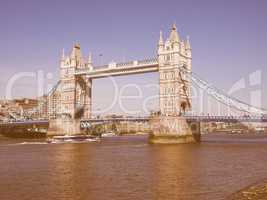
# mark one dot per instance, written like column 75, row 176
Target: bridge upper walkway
column 118, row 69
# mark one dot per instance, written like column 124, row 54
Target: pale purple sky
column 228, row 39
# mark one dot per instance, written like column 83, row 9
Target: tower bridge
column 72, row 98
column 76, row 75
column 70, row 101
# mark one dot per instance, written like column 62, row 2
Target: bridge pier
column 63, row 126
column 174, row 130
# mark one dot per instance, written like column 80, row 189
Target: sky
column 228, row 39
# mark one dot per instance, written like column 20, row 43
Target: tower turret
column 161, row 41
column 73, row 58
column 174, row 36
column 161, row 48
column 62, row 59
column 188, row 51
column 63, row 54
column 76, row 56
column 182, row 49
column 89, row 61
column 188, row 47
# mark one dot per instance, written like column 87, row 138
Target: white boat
column 108, row 134
column 73, row 139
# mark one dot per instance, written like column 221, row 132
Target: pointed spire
column 187, row 43
column 161, row 42
column 174, row 37
column 174, row 27
column 75, row 50
column 182, row 47
column 63, row 54
column 77, row 45
column 89, row 59
column 72, row 55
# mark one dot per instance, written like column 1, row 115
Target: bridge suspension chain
column 222, row 97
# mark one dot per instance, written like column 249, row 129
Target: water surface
column 127, row 168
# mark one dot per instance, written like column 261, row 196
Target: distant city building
column 25, row 103
column 18, row 108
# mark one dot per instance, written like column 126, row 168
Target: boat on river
column 73, row 139
column 108, row 134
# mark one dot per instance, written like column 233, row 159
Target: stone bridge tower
column 174, row 59
column 75, row 95
column 75, row 90
column 173, row 55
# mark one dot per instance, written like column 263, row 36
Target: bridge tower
column 174, row 54
column 174, row 60
column 75, row 90
column 75, row 94
column 68, row 82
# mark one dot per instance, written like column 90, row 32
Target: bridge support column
column 64, row 126
column 174, row 130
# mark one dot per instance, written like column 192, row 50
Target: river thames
column 128, row 168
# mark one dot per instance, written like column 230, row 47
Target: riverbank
column 254, row 192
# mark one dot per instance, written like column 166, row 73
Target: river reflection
column 129, row 168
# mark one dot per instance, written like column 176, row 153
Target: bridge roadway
column 226, row 119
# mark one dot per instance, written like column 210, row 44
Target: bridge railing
column 125, row 64
column 148, row 61
column 130, row 63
